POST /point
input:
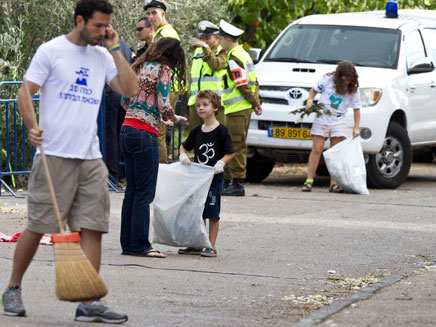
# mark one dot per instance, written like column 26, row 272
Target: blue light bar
column 392, row 9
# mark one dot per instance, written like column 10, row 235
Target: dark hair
column 166, row 51
column 347, row 69
column 86, row 8
column 214, row 98
column 146, row 20
column 233, row 38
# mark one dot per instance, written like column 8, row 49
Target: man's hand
column 258, row 110
column 196, row 42
column 112, row 37
column 184, row 159
column 35, row 135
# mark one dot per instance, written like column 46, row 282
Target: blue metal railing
column 10, row 140
column 16, row 149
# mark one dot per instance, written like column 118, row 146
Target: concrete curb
column 325, row 312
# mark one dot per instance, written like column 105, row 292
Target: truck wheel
column 258, row 168
column 390, row 167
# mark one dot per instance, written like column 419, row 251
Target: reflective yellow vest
column 232, row 98
column 166, row 31
column 203, row 77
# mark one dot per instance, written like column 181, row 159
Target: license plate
column 289, row 133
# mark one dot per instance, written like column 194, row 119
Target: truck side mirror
column 424, row 65
column 255, row 54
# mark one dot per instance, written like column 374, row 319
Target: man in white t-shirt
column 71, row 72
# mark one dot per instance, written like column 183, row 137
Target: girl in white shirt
column 339, row 91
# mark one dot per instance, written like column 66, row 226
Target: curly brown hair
column 348, row 70
column 167, row 51
column 214, row 99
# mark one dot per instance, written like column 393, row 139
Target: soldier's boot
column 227, row 184
column 235, row 189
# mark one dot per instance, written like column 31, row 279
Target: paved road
column 282, row 254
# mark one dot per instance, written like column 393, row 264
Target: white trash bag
column 345, row 162
column 179, row 203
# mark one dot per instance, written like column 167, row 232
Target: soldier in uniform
column 240, row 97
column 156, row 12
column 208, row 68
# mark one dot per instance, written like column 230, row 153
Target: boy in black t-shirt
column 213, row 147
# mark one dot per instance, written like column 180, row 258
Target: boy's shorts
column 212, row 207
column 81, row 192
column 338, row 130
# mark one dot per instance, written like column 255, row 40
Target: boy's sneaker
column 192, row 251
column 208, row 253
column 97, row 311
column 12, row 302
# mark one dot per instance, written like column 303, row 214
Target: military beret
column 155, row 4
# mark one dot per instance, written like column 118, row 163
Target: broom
column 76, row 278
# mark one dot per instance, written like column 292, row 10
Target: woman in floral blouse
column 162, row 64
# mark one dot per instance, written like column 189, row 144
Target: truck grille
column 281, row 88
column 275, row 101
column 304, row 70
column 266, row 124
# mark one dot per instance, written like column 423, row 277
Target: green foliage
column 24, row 25
column 184, row 15
column 263, row 20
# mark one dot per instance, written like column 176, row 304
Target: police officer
column 156, row 12
column 208, row 68
column 240, row 97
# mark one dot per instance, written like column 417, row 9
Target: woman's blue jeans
column 141, row 158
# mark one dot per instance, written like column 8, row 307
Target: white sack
column 345, row 162
column 179, row 203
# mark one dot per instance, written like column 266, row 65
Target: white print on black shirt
column 206, row 152
column 212, row 199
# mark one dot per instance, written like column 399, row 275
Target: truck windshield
column 371, row 47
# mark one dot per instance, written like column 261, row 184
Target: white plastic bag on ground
column 179, row 203
column 345, row 162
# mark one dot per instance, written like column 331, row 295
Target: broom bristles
column 76, row 278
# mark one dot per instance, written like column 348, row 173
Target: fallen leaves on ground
column 354, row 283
column 316, row 299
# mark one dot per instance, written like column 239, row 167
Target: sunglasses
column 139, row 29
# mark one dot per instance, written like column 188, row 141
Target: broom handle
column 44, row 163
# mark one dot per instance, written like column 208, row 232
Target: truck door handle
column 412, row 88
column 432, row 85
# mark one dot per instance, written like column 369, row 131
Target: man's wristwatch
column 205, row 45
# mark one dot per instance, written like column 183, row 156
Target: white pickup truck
column 395, row 59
